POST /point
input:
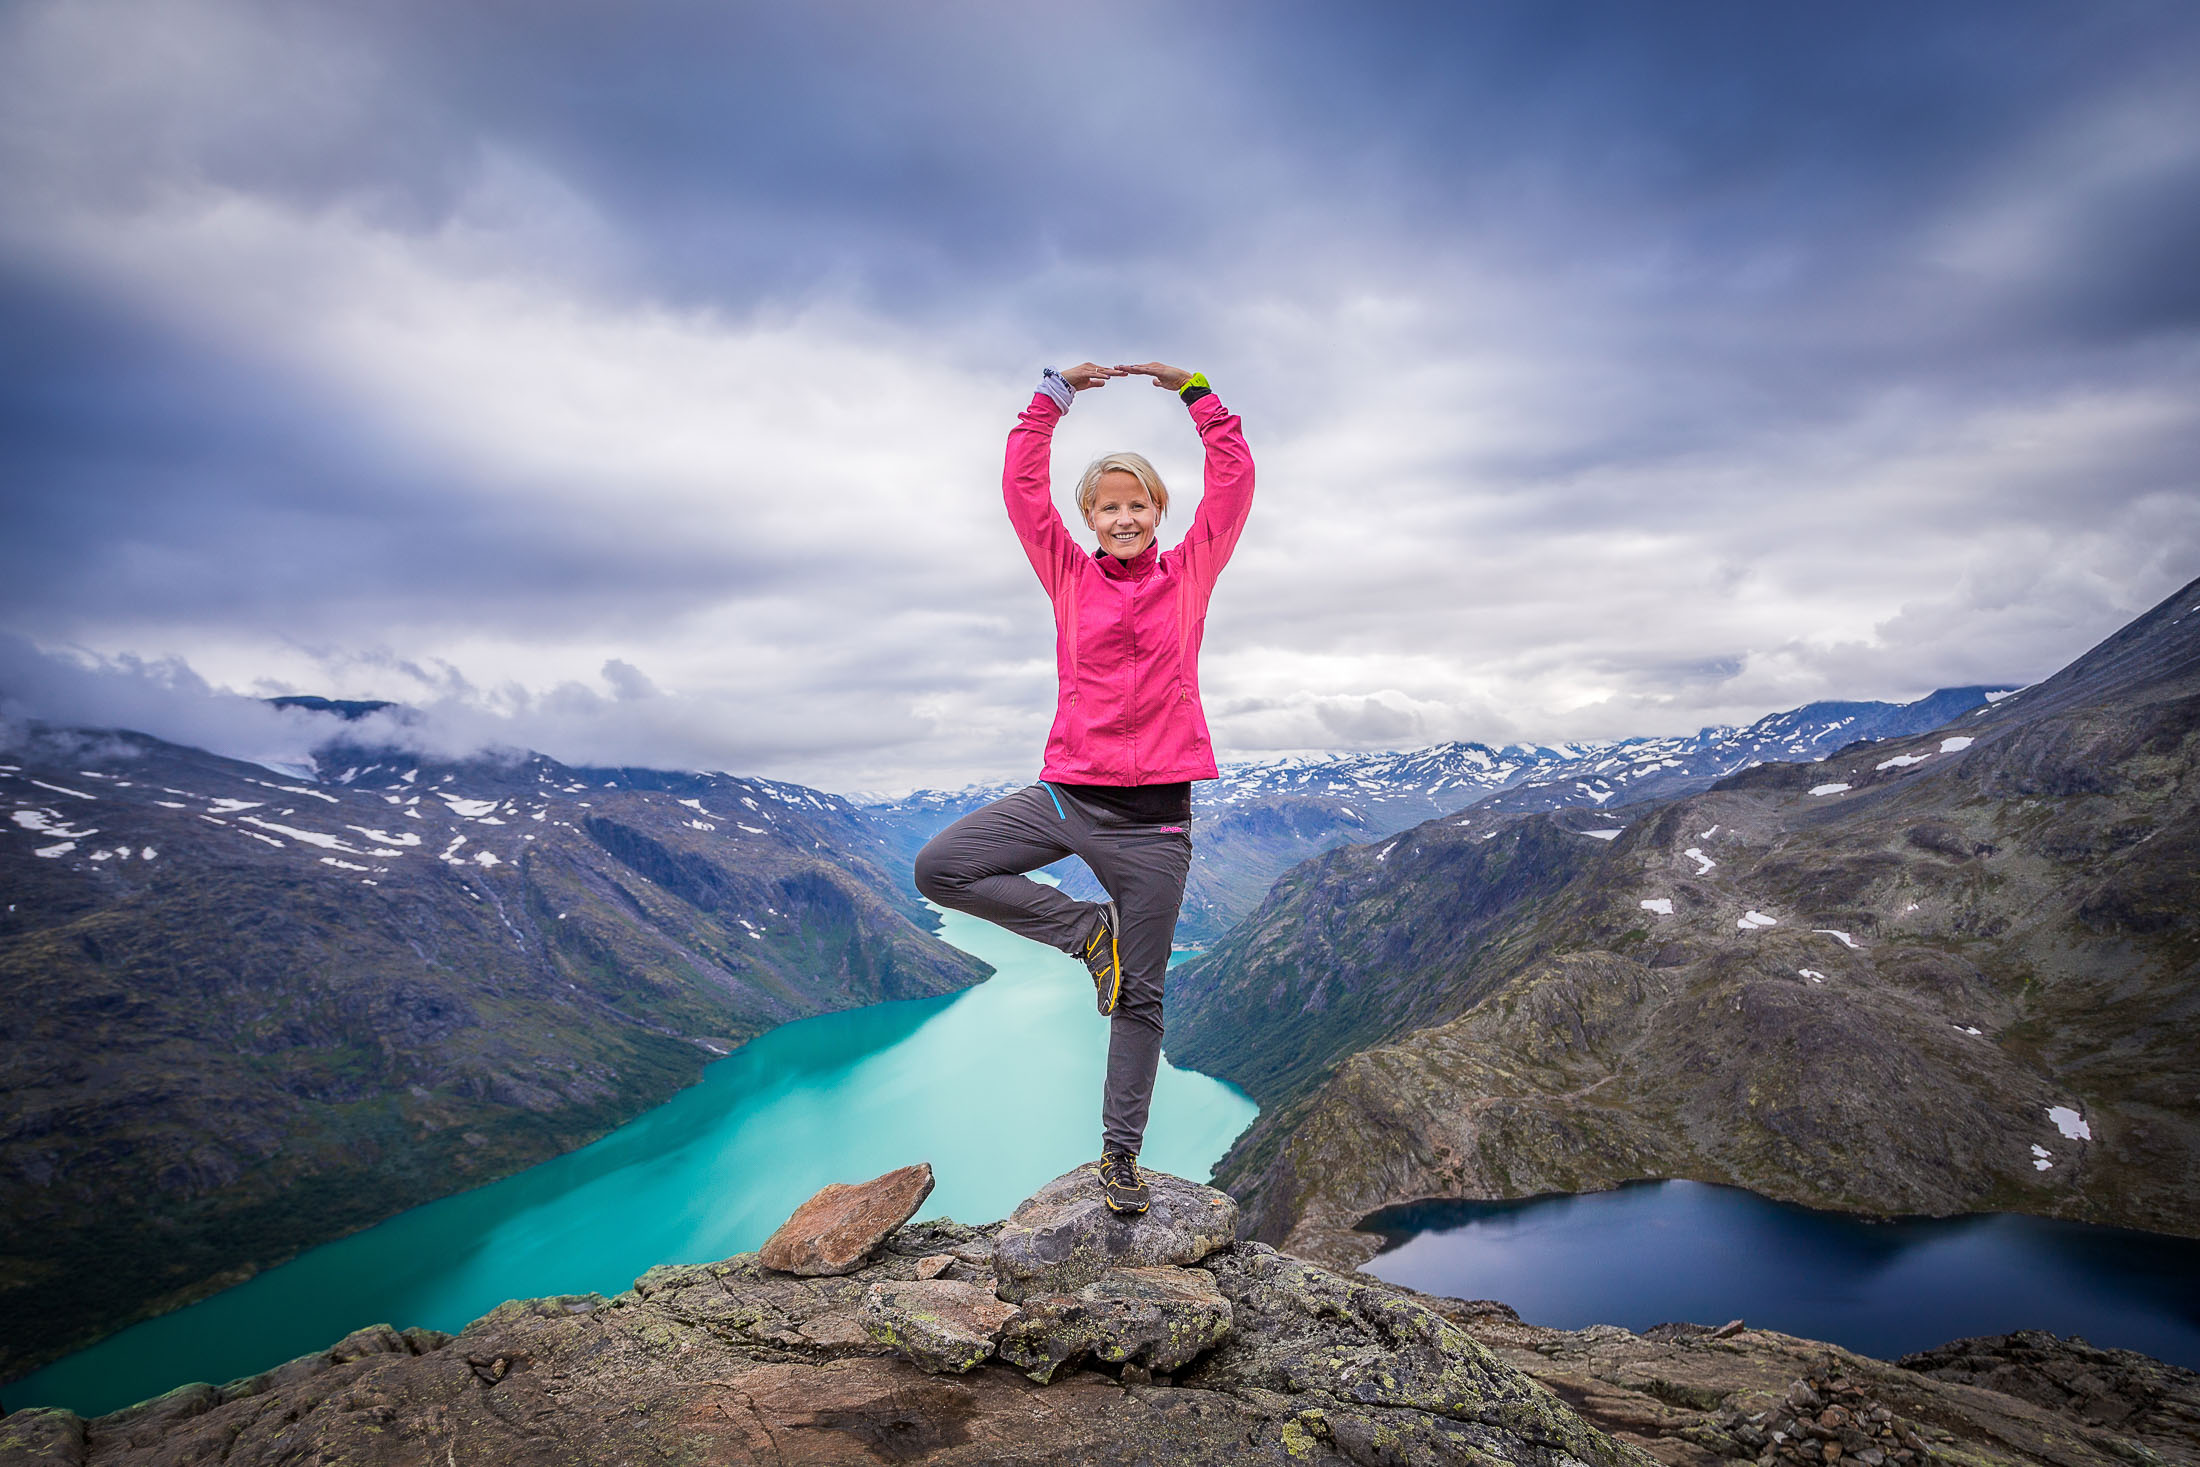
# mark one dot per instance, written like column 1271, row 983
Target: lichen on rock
column 1159, row 1319
column 940, row 1326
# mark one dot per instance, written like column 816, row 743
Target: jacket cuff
column 1195, row 389
column 1057, row 387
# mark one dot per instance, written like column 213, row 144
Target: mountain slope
column 248, row 1011
column 1952, row 972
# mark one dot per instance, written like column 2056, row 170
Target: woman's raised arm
column 1026, row 477
column 1229, row 488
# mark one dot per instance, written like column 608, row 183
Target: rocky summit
column 1064, row 1236
column 1238, row 1355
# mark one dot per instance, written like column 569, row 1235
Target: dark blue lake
column 1664, row 1251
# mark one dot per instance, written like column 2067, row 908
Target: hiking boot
column 1120, row 1183
column 1104, row 960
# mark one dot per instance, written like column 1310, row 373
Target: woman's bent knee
column 936, row 875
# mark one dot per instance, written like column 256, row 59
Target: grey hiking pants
column 977, row 865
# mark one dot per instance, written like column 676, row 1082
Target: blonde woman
column 1129, row 733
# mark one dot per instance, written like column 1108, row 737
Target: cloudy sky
column 628, row 381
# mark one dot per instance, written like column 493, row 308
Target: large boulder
column 1159, row 1318
column 1064, row 1237
column 941, row 1326
column 1304, row 1331
column 843, row 1225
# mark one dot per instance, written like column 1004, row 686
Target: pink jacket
column 1126, row 633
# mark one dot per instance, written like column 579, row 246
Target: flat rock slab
column 1160, row 1318
column 842, row 1226
column 941, row 1326
column 1063, row 1236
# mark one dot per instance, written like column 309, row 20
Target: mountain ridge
column 1952, row 972
column 1262, row 817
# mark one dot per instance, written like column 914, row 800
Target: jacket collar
column 1134, row 569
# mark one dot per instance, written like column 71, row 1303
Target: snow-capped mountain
column 1264, row 816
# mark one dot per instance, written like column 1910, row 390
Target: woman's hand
column 1162, row 373
column 1090, row 374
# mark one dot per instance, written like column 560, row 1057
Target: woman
column 1129, row 734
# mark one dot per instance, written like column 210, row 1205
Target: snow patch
column 1703, row 862
column 2070, row 1123
column 1969, row 1029
column 2042, row 1158
column 55, row 851
column 1811, row 973
column 1846, row 940
column 62, row 789
column 383, row 837
column 295, row 788
column 486, row 858
column 1612, row 834
column 1827, row 789
column 1900, row 761
column 1753, row 919
column 46, row 822
column 231, row 807
column 343, row 865
column 468, row 808
column 147, row 854
column 1960, row 741
column 1663, row 906
column 310, row 837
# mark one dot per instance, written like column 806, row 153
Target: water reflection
column 1660, row 1251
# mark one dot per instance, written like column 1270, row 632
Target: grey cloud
column 1611, row 371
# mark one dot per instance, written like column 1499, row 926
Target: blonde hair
column 1134, row 464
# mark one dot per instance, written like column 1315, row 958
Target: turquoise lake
column 998, row 1087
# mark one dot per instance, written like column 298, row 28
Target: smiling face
column 1123, row 515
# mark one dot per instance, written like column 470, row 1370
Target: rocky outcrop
column 844, row 1224
column 2118, row 1391
column 1063, row 1236
column 1156, row 1319
column 1241, row 1356
column 1245, row 1356
column 939, row 1325
column 1693, row 1395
